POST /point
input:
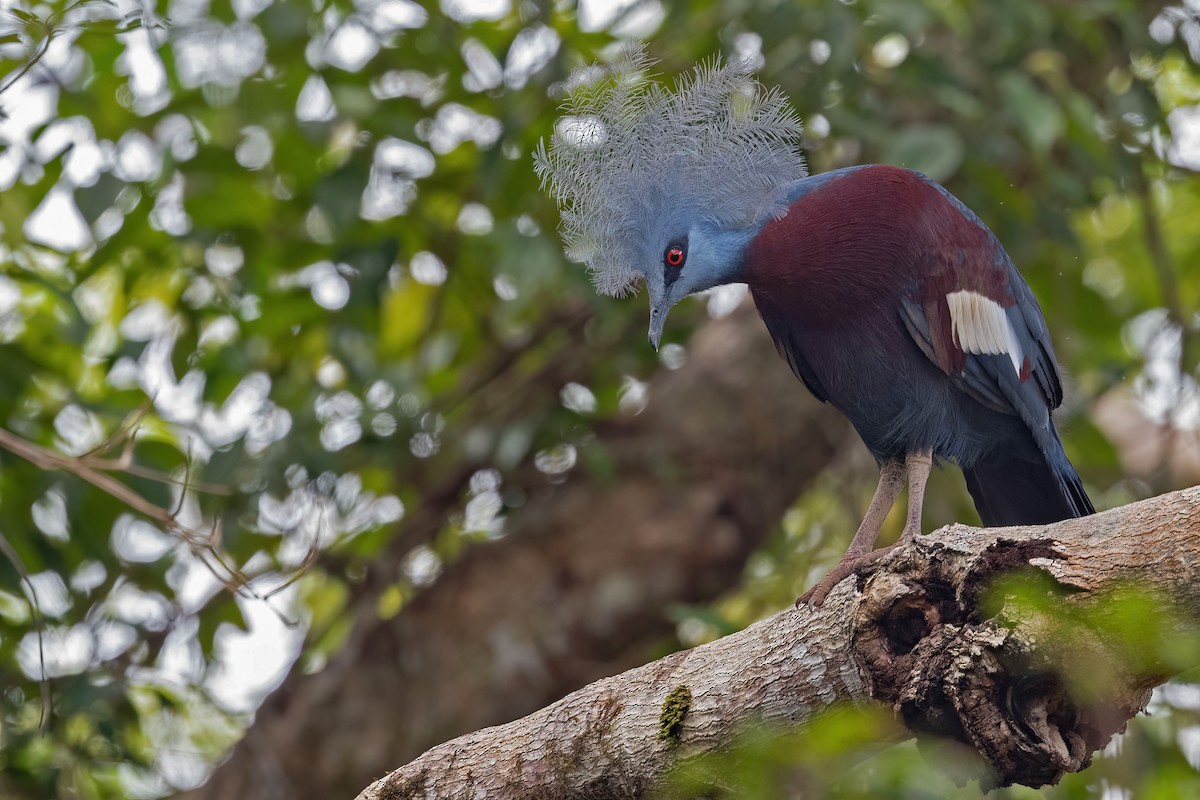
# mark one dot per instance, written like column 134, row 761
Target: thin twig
column 137, row 470
column 31, row 62
column 47, row 460
column 39, row 626
column 310, row 558
column 40, row 457
column 1168, row 283
column 1156, row 246
column 125, row 433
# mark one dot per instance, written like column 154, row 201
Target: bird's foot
column 849, row 565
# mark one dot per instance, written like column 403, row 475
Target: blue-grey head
column 668, row 184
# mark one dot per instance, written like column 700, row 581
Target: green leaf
column 1039, row 116
column 935, row 150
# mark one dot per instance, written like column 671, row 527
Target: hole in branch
column 906, row 627
column 913, row 618
column 1041, row 710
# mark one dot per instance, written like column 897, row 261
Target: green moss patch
column 674, row 711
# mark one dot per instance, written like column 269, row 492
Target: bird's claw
column 849, row 565
column 815, row 596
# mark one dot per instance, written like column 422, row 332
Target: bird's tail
column 1012, row 489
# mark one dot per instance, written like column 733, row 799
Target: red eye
column 674, row 256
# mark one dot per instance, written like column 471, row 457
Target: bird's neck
column 719, row 256
column 723, row 254
column 795, row 190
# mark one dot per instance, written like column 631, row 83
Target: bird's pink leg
column 918, row 466
column 891, row 481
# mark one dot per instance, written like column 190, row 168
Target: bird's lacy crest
column 632, row 162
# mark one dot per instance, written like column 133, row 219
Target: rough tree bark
column 910, row 633
column 575, row 591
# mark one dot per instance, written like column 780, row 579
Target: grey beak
column 658, row 318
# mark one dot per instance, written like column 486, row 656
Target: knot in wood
column 993, row 684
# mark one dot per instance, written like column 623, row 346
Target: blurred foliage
column 296, row 251
column 840, row 756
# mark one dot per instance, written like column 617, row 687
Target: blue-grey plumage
column 886, row 295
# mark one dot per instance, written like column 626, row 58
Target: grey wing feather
column 990, row 378
column 1027, row 321
column 975, row 380
column 1044, row 367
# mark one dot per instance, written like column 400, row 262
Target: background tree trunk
column 1035, row 691
column 576, row 590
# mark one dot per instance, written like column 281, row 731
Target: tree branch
column 910, row 633
column 93, row 468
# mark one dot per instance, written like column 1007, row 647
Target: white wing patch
column 979, row 325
